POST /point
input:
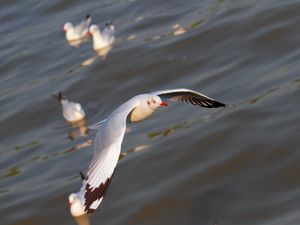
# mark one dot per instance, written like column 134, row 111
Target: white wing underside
column 100, row 172
column 95, row 126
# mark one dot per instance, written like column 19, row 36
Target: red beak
column 164, row 104
column 90, row 34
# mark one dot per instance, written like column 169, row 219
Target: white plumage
column 79, row 31
column 72, row 111
column 104, row 38
column 110, row 133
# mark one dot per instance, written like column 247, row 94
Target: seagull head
column 93, row 29
column 154, row 102
column 76, row 207
column 72, row 198
column 146, row 105
column 67, row 27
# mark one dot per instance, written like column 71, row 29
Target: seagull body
column 76, row 200
column 110, row 133
column 72, row 111
column 102, row 38
column 76, row 205
column 79, row 31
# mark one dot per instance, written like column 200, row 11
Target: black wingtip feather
column 83, row 177
column 88, row 16
column 94, row 194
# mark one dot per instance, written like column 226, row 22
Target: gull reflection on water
column 102, row 53
column 78, row 42
column 75, row 43
column 82, row 220
column 138, row 148
column 78, row 129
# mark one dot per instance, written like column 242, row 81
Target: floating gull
column 104, row 38
column 79, row 31
column 72, row 111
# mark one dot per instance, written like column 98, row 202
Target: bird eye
column 148, row 102
column 154, row 101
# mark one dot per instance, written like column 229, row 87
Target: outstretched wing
column 189, row 96
column 107, row 150
column 95, row 126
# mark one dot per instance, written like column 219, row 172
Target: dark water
column 191, row 165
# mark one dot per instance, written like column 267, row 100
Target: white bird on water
column 72, row 111
column 76, row 202
column 104, row 38
column 79, row 31
column 109, row 137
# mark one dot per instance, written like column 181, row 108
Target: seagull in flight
column 110, row 134
column 79, row 31
column 72, row 111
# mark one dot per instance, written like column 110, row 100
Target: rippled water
column 186, row 165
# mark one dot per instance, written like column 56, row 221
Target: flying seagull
column 110, row 133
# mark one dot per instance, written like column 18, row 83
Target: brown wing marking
column 92, row 194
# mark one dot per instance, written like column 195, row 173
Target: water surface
column 187, row 165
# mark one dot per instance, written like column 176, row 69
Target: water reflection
column 168, row 130
column 77, row 147
column 75, row 43
column 20, row 147
column 89, row 61
column 28, row 145
column 3, row 191
column 216, row 222
column 16, row 169
column 297, row 82
column 178, row 29
column 78, row 42
column 103, row 52
column 82, row 220
column 260, row 97
column 78, row 129
column 138, row 148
